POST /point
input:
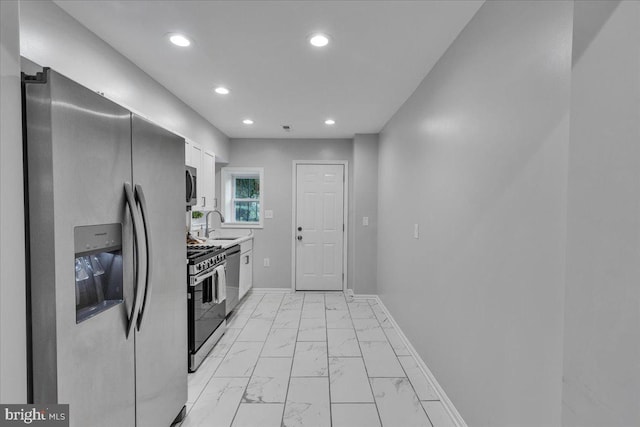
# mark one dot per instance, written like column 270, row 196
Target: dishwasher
column 233, row 277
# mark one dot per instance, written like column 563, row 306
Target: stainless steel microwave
column 191, row 181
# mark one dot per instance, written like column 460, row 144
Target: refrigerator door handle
column 140, row 266
column 147, row 234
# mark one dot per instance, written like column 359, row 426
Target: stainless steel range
column 206, row 300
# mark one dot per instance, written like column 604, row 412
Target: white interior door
column 319, row 227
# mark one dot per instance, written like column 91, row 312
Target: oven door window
column 206, row 315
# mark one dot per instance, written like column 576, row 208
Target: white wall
column 52, row 38
column 364, row 199
column 13, row 371
column 602, row 319
column 276, row 157
column 477, row 157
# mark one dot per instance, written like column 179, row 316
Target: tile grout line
column 370, row 303
column 375, row 402
column 215, row 370
column 235, row 414
column 405, row 373
column 326, row 338
column 449, row 408
column 260, row 356
column 295, row 346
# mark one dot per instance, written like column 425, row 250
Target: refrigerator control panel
column 92, row 238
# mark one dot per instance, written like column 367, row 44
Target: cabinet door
column 207, row 178
column 196, row 161
column 246, row 272
column 187, row 153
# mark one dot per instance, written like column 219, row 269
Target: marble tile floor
column 311, row 359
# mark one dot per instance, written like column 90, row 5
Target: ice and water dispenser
column 98, row 266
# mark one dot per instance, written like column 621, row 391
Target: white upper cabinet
column 208, row 180
column 205, row 163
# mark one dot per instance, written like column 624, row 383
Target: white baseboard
column 367, row 296
column 270, row 290
column 446, row 402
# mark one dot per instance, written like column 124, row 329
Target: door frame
column 345, row 215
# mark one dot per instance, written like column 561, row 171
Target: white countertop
column 227, row 243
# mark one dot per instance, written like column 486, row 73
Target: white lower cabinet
column 246, row 267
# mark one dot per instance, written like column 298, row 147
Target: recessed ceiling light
column 329, row 122
column 247, row 121
column 179, row 40
column 221, row 90
column 319, row 40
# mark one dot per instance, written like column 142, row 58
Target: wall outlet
column 268, row 214
column 267, row 262
column 416, row 231
column 365, row 220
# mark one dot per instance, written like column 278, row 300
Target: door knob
column 299, row 228
column 299, row 237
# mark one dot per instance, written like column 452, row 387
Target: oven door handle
column 194, row 281
column 140, row 267
column 139, row 193
column 200, row 279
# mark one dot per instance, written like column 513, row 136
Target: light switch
column 416, row 231
column 365, row 220
column 268, row 214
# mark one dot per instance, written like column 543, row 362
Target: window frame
column 228, row 176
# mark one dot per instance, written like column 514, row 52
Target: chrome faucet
column 206, row 226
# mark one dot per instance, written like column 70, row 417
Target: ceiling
column 379, row 52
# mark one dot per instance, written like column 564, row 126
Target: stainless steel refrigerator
column 107, row 255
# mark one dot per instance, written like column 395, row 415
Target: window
column 242, row 197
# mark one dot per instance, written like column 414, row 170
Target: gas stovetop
column 197, row 250
column 202, row 257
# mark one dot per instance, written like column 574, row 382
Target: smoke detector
column 286, row 128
